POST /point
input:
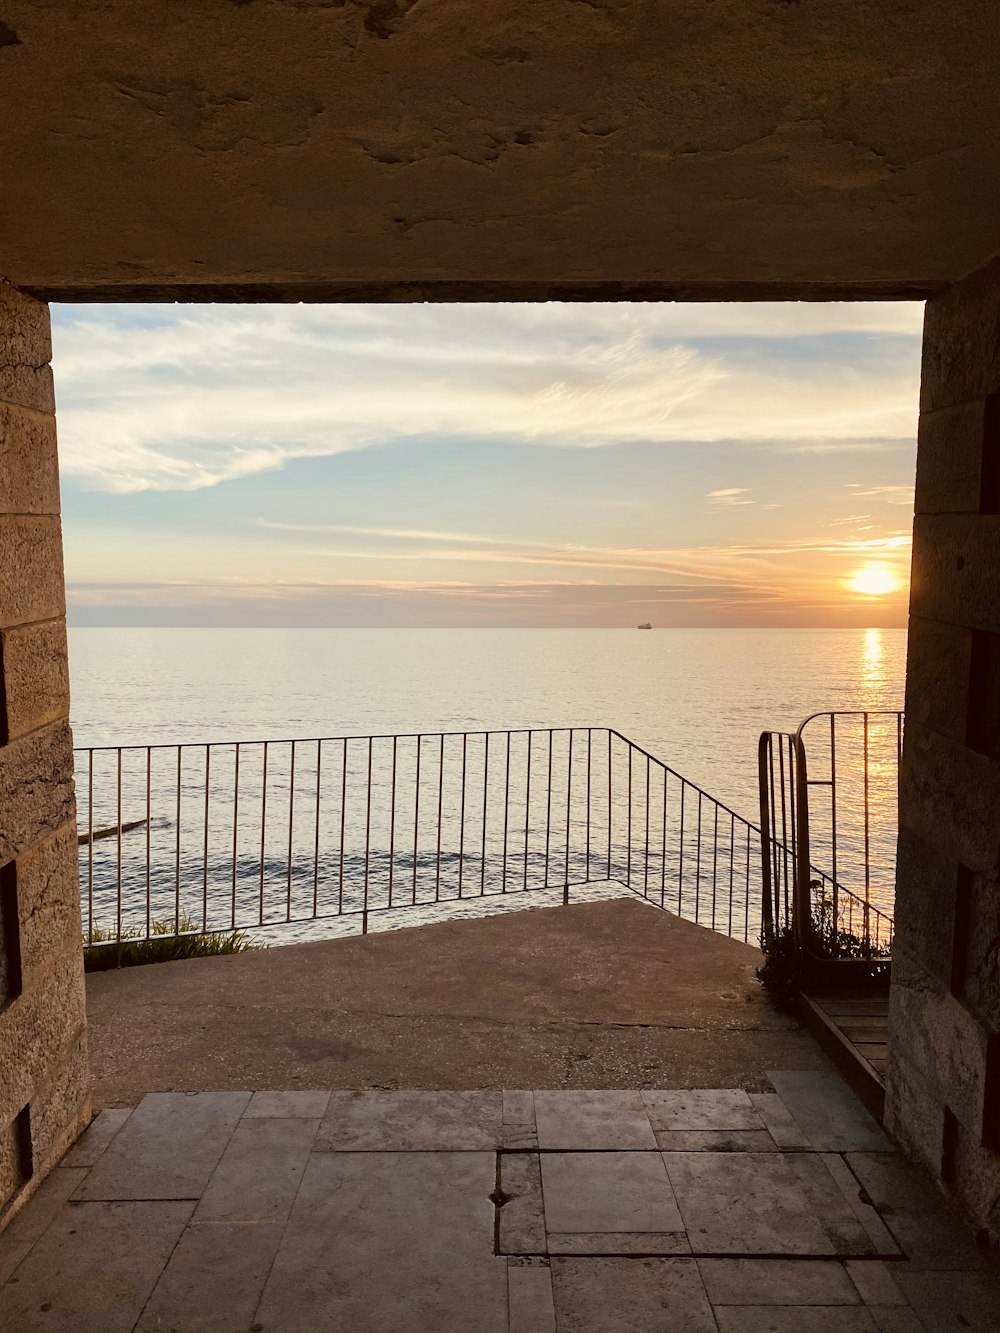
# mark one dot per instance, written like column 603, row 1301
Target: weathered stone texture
column 949, row 459
column 956, row 569
column 35, row 676
column 31, row 569
column 980, row 978
column 534, row 145
column 60, row 1106
column 25, row 350
column 36, row 788
column 951, row 799
column 915, row 1113
column 938, row 659
column 961, row 357
column 29, row 470
column 39, row 1031
column 945, row 997
column 946, row 1049
column 48, row 901
column 926, row 882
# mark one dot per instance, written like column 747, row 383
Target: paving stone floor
column 484, row 1212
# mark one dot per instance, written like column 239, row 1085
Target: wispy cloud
column 729, row 497
column 200, row 396
column 895, row 495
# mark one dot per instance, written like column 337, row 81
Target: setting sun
column 873, row 580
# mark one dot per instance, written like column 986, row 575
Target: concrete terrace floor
column 611, row 994
column 485, row 1212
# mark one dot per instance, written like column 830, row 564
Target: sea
column 694, row 699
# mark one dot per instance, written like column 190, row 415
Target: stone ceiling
column 399, row 149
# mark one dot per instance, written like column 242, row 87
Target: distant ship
column 646, row 626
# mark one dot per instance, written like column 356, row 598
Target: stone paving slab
column 715, row 1140
column 411, row 1122
column 779, row 1122
column 701, row 1109
column 389, row 1240
column 835, row 1214
column 744, row 1203
column 929, row 1235
column 828, row 1113
column 874, row 1282
column 521, row 1226
column 96, row 1138
column 953, row 1302
column 650, row 1243
column 608, row 1191
column 258, row 1176
column 630, row 1296
column 168, row 1148
column 600, row 1121
column 93, row 1269
column 397, row 1242
column 795, row 1319
column 214, row 1279
column 307, row 1105
column 777, row 1282
column 530, row 1306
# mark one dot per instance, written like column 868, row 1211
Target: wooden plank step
column 860, row 1072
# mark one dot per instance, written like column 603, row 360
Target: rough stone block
column 956, row 569
column 15, row 1165
column 961, row 358
column 39, row 1035
column 950, row 797
column 976, row 1181
column 36, row 788
column 60, row 1107
column 34, row 670
column 939, row 1040
column 980, row 982
column 938, row 660
column 926, row 883
column 29, row 467
column 25, row 350
column 949, row 459
column 48, row 899
column 31, row 560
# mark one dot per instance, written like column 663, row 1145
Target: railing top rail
column 421, row 735
column 843, row 712
column 325, row 740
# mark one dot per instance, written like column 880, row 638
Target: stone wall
column 943, row 1098
column 44, row 1099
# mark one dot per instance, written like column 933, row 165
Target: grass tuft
column 169, row 941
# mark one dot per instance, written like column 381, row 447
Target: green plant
column 787, row 970
column 105, row 949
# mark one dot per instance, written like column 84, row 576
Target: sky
column 488, row 465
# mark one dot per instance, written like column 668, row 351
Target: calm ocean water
column 276, row 837
column 697, row 699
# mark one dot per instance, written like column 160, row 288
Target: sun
column 873, row 580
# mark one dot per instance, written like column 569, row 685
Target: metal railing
column 198, row 838
column 829, row 811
